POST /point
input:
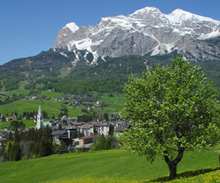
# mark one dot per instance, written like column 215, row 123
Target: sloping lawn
column 102, row 166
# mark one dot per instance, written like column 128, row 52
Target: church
column 40, row 121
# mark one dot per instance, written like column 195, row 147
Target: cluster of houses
column 3, row 95
column 78, row 135
column 75, row 103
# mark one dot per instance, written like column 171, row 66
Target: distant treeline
column 46, row 68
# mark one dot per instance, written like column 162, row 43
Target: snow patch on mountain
column 162, row 49
column 72, row 26
column 63, row 54
column 146, row 10
column 210, row 35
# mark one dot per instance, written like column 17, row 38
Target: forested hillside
column 51, row 70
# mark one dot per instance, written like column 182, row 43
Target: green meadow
column 28, row 123
column 114, row 103
column 51, row 107
column 109, row 166
column 51, row 94
column 20, row 91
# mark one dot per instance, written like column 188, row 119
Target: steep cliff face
column 146, row 31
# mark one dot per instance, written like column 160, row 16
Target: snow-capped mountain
column 146, row 31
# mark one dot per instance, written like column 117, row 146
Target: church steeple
column 39, row 119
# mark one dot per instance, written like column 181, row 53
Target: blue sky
column 28, row 27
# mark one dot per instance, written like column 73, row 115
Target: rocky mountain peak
column 146, row 31
column 146, row 10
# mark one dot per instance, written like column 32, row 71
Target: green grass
column 65, row 72
column 28, row 123
column 209, row 175
column 102, row 166
column 114, row 103
column 51, row 107
column 20, row 91
column 51, row 94
column 21, row 106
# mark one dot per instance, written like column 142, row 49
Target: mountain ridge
column 146, row 31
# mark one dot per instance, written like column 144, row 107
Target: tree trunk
column 172, row 170
column 173, row 164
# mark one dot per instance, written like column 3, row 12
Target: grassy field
column 51, row 107
column 31, row 105
column 108, row 166
column 51, row 94
column 114, row 103
column 20, row 91
column 28, row 123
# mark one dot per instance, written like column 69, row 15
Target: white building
column 39, row 119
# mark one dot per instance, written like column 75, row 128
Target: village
column 78, row 136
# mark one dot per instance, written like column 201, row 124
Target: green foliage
column 105, row 116
column 101, row 144
column 63, row 111
column 109, row 142
column 16, row 125
column 172, row 109
column 62, row 148
column 46, row 144
column 104, row 143
column 13, row 151
column 111, row 130
column 51, row 70
column 15, row 154
column 84, row 118
column 10, row 83
column 3, row 118
column 35, row 142
column 113, row 103
column 46, row 147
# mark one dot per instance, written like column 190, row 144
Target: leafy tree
column 63, row 111
column 14, row 151
column 111, row 130
column 105, row 116
column 10, row 136
column 8, row 148
column 109, row 142
column 3, row 118
column 172, row 109
column 101, row 144
column 46, row 147
column 16, row 125
column 94, row 130
column 62, row 148
column 84, row 118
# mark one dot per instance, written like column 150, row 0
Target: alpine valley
column 101, row 57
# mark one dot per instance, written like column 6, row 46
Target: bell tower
column 39, row 119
